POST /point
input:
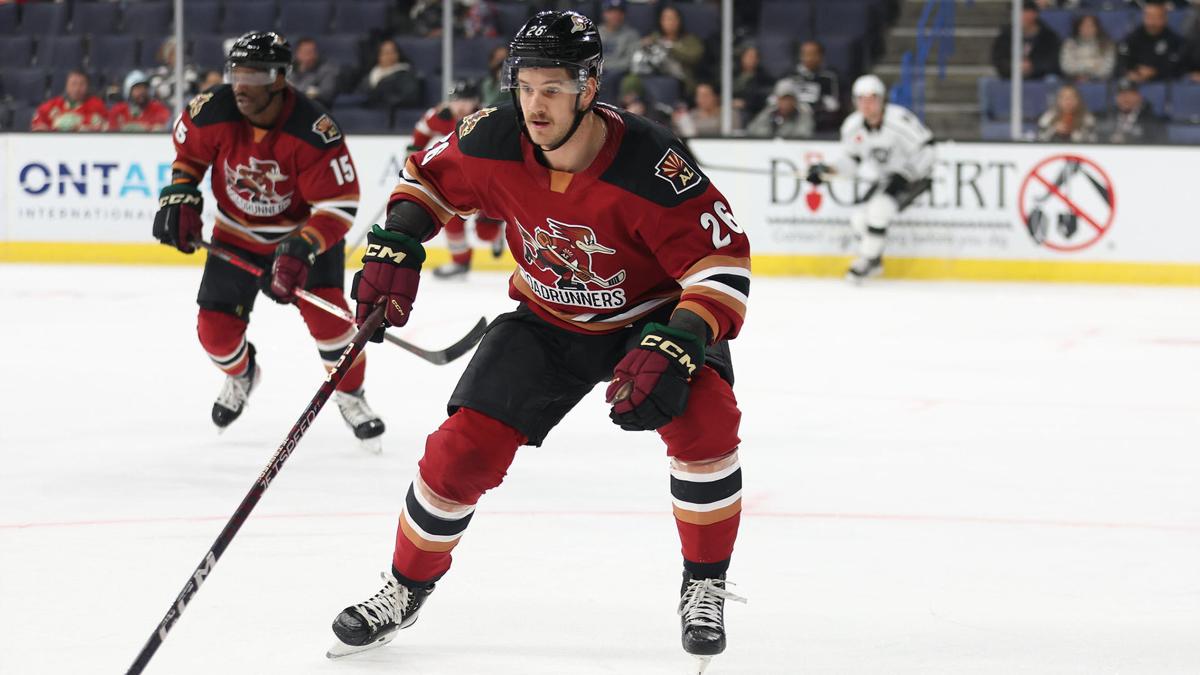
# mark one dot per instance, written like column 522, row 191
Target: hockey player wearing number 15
column 286, row 194
column 888, row 147
column 630, row 269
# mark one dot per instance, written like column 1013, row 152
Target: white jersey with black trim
column 900, row 145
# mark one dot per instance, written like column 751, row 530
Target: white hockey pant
column 870, row 222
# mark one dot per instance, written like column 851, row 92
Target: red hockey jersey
column 153, row 117
column 268, row 183
column 59, row 114
column 596, row 250
column 436, row 122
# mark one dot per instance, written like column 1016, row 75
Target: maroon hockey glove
column 390, row 274
column 177, row 222
column 293, row 258
column 650, row 385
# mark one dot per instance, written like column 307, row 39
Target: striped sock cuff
column 235, row 362
column 431, row 523
column 704, row 493
column 331, row 350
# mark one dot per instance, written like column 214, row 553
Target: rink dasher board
column 997, row 211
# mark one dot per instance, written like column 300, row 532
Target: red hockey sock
column 456, row 240
column 223, row 336
column 332, row 335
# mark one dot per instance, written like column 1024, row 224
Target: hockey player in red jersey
column 631, row 268
column 286, row 195
column 437, row 123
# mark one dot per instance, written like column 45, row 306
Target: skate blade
column 701, row 665
column 341, row 649
column 372, row 446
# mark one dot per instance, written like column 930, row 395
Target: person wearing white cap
column 785, row 117
column 886, row 145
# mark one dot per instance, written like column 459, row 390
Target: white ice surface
column 939, row 478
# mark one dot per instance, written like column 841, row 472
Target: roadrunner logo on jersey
column 566, row 250
column 254, row 188
column 674, row 169
column 327, row 129
column 469, row 122
column 197, row 103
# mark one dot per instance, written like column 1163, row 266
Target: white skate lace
column 354, row 408
column 385, row 606
column 234, row 393
column 701, row 603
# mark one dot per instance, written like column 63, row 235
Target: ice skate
column 702, row 617
column 367, row 426
column 236, row 391
column 374, row 622
column 498, row 245
column 452, row 270
column 864, row 268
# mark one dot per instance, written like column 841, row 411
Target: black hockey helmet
column 461, row 89
column 261, row 50
column 553, row 39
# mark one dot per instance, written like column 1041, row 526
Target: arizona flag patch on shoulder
column 327, row 129
column 674, row 169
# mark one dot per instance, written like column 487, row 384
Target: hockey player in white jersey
column 885, row 145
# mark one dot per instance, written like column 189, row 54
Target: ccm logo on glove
column 181, row 199
column 380, row 251
column 671, row 349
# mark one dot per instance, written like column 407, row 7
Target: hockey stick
column 200, row 575
column 437, row 357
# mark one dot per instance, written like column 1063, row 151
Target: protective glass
column 513, row 65
column 249, row 76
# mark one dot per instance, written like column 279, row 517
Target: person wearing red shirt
column 75, row 110
column 138, row 112
column 630, row 269
column 287, row 193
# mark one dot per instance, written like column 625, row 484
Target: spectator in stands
column 634, row 103
column 785, row 117
column 818, row 86
column 670, row 50
column 1068, row 120
column 702, row 120
column 751, row 84
column 138, row 112
column 480, row 20
column 1040, row 47
column 311, row 75
column 1088, row 54
column 391, row 82
column 620, row 40
column 162, row 78
column 75, row 110
column 490, row 91
column 210, row 79
column 1152, row 51
column 1133, row 121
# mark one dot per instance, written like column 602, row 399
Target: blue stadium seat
column 22, row 116
column 662, row 89
column 350, row 16
column 404, row 119
column 510, row 17
column 851, row 19
column 355, row 120
column 1184, row 133
column 113, row 55
column 306, row 18
column 152, row 19
column 16, row 51
column 95, row 18
column 43, row 18
column 249, row 15
column 1185, row 102
column 343, row 50
column 200, row 18
column 843, row 54
column 703, row 20
column 10, row 23
column 610, row 85
column 471, row 54
column 1175, row 19
column 27, row 85
column 60, row 51
column 1095, row 96
column 424, row 53
column 1118, row 22
column 786, row 17
column 642, row 17
column 1155, row 94
column 996, row 98
column 777, row 54
column 1059, row 20
column 208, row 51
column 1001, row 131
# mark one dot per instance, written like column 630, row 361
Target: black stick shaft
column 200, row 575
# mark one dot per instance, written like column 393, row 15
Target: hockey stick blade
column 443, row 356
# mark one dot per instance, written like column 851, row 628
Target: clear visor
column 249, row 76
column 573, row 81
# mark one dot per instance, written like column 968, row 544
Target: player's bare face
column 251, row 91
column 547, row 98
column 871, row 107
